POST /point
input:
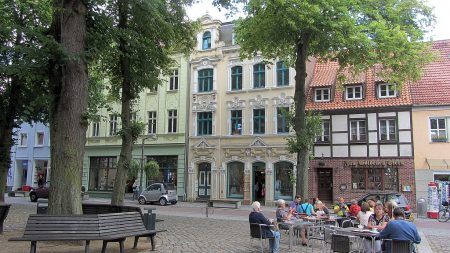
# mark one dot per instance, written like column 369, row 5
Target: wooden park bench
column 4, row 209
column 111, row 227
column 236, row 203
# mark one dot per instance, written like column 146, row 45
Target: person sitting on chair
column 354, row 208
column 305, row 208
column 400, row 229
column 274, row 236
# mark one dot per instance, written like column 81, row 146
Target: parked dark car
column 382, row 198
column 39, row 193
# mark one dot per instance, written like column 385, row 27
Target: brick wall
column 342, row 175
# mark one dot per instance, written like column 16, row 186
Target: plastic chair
column 327, row 237
column 398, row 246
column 315, row 233
column 256, row 233
column 344, row 243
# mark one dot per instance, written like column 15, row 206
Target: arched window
column 259, row 75
column 206, row 41
column 205, row 80
column 235, row 180
column 236, row 78
column 283, row 186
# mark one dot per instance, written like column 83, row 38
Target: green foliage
column 133, row 170
column 357, row 34
column 155, row 30
column 304, row 139
column 151, row 169
column 136, row 129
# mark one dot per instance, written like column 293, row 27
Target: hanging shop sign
column 373, row 163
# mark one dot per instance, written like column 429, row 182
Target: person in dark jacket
column 274, row 236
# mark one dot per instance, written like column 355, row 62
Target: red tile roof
column 434, row 86
column 325, row 74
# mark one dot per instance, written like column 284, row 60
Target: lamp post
column 153, row 137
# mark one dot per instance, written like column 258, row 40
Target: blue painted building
column 30, row 156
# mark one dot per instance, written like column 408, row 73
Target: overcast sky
column 441, row 11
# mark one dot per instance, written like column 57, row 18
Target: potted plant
column 439, row 138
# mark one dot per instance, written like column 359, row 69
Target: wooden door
column 204, row 180
column 325, row 184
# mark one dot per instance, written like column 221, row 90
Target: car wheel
column 141, row 200
column 33, row 197
column 162, row 201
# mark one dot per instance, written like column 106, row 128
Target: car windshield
column 169, row 186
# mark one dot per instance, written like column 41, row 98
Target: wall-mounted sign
column 373, row 163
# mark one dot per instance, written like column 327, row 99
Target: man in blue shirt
column 400, row 229
column 294, row 204
column 305, row 208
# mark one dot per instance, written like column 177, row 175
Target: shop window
column 235, row 180
column 102, row 173
column 168, row 167
column 282, row 74
column 236, row 122
column 375, row 179
column 283, row 184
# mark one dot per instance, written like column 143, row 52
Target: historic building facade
column 431, row 121
column 30, row 156
column 366, row 142
column 237, row 129
column 163, row 111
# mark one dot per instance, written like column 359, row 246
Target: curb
column 424, row 246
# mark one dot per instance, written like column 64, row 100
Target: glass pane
column 235, row 179
column 441, row 123
column 283, row 185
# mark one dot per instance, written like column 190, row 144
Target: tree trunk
column 127, row 140
column 300, row 115
column 69, row 83
column 5, row 155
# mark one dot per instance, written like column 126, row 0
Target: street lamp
column 153, row 137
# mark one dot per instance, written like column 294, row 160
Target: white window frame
column 152, row 122
column 175, row 77
column 438, row 128
column 388, row 90
column 320, row 138
column 353, row 89
column 37, row 144
column 321, row 90
column 387, row 129
column 113, row 119
column 22, row 135
column 230, row 122
column 95, row 129
column 358, row 133
column 170, row 121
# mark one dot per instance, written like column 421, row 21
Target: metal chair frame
column 258, row 234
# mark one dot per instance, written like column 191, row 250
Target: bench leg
column 122, row 249
column 33, row 247
column 104, row 246
column 152, row 240
column 86, row 247
column 136, row 240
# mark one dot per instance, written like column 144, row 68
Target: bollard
column 149, row 219
column 42, row 206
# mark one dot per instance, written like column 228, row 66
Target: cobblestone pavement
column 188, row 230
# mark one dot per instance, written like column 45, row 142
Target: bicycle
column 444, row 214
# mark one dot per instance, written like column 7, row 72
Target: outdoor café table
column 363, row 233
column 294, row 224
column 317, row 219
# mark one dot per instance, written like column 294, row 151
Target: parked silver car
column 159, row 192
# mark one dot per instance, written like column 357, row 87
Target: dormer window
column 387, row 90
column 206, row 40
column 322, row 95
column 353, row 92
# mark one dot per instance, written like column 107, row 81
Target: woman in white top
column 364, row 214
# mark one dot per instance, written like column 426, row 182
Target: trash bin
column 149, row 220
column 421, row 208
column 42, row 206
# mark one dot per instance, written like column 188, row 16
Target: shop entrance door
column 204, row 180
column 259, row 182
column 325, row 184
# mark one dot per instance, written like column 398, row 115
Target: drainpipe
column 186, row 130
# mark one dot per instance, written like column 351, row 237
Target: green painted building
column 164, row 113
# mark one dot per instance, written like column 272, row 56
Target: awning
column 438, row 163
